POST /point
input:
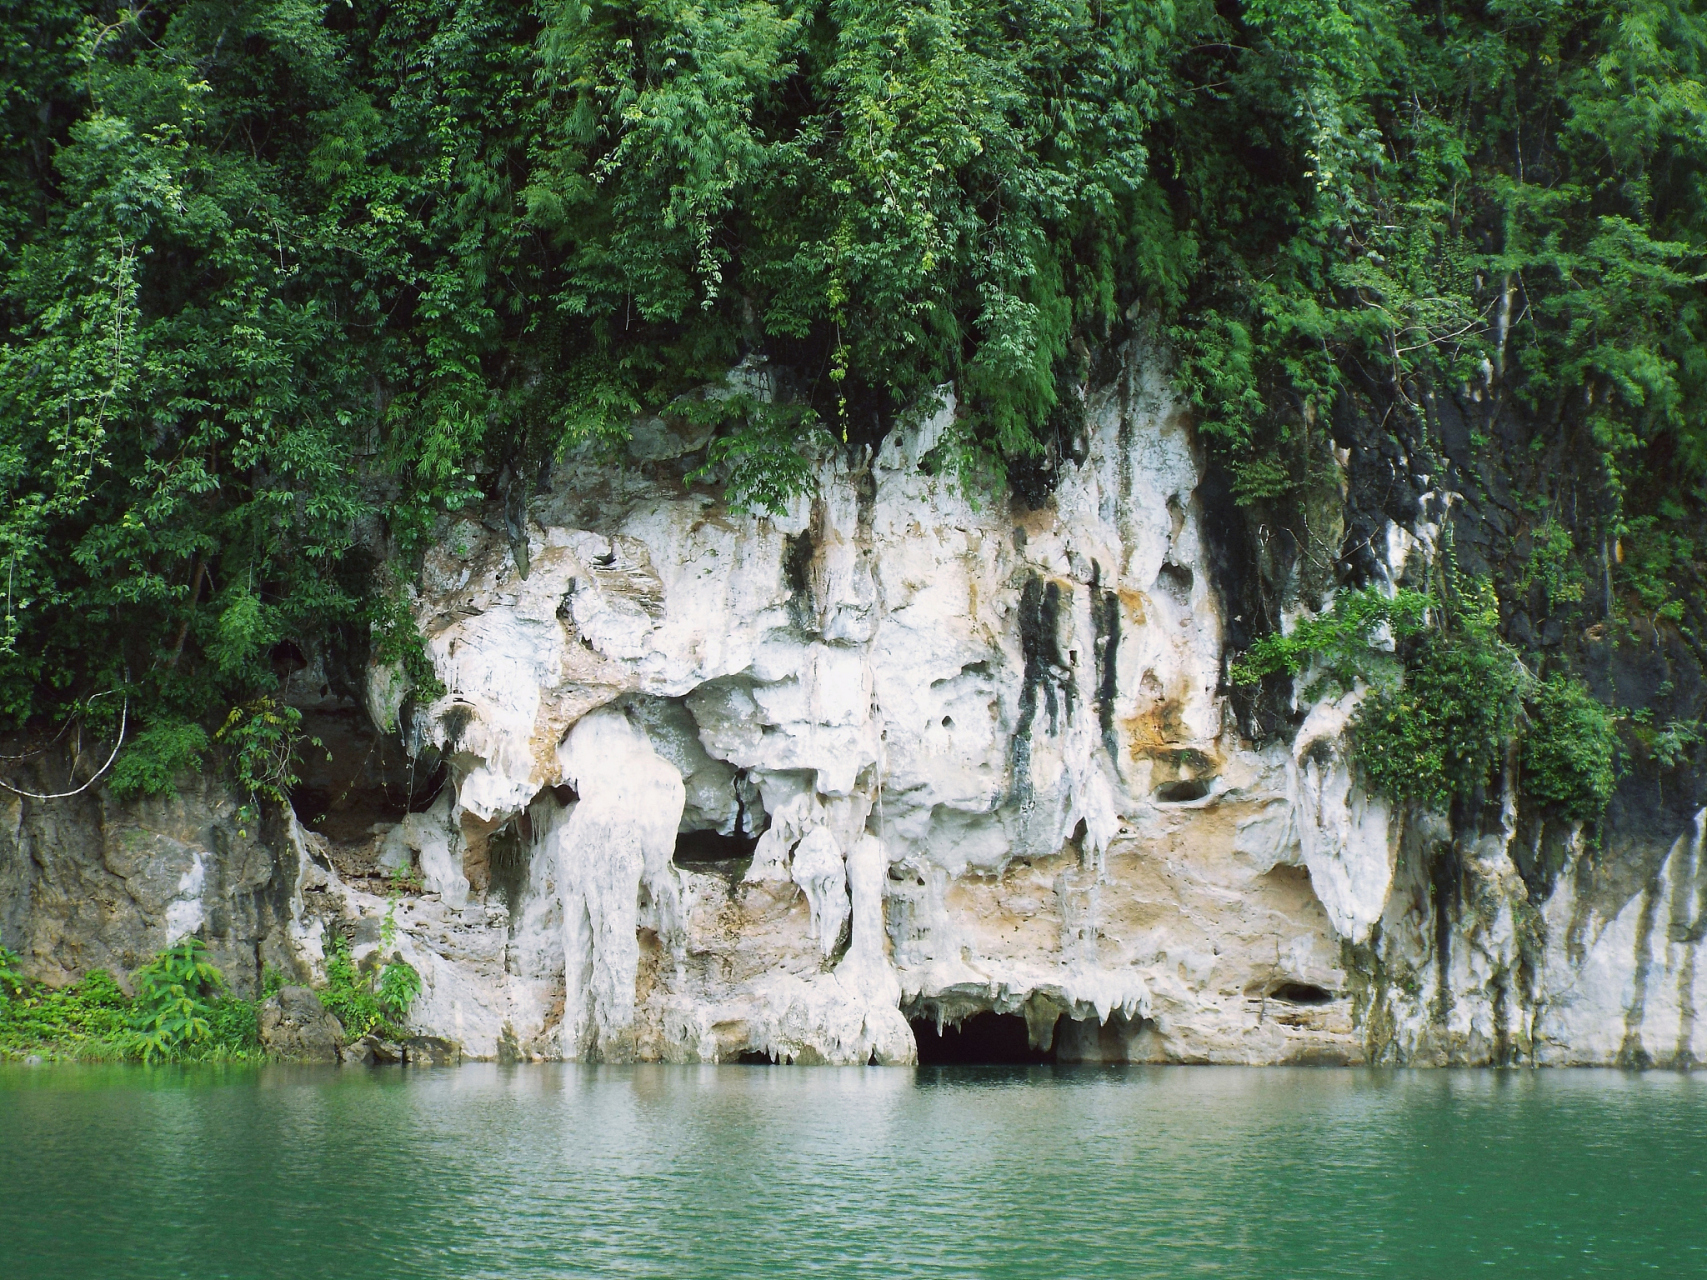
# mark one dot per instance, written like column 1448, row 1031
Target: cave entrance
column 710, row 851
column 983, row 1040
column 359, row 778
column 1301, row 993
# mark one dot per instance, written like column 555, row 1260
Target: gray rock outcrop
column 92, row 882
column 296, row 1027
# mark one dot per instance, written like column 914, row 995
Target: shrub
column 175, row 993
column 151, row 764
column 1447, row 698
column 1570, row 749
column 183, row 1011
column 88, row 1019
column 1351, row 641
column 1442, row 732
column 397, row 988
column 265, row 735
column 372, row 999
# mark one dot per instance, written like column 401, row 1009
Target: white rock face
column 1627, row 988
column 1346, row 837
column 433, row 840
column 989, row 767
column 819, row 871
column 615, row 842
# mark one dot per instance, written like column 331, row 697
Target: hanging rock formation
column 725, row 786
column 614, row 844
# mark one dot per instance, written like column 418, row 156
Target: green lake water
column 702, row 1173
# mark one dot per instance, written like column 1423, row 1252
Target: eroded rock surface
column 1017, row 717
column 807, row 788
column 95, row 883
column 296, row 1027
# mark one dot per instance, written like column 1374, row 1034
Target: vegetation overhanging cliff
column 284, row 284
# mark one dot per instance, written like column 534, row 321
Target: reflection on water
column 712, row 1172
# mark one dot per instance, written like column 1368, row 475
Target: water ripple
column 702, row 1173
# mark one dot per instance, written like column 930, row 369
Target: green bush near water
column 371, row 1000
column 182, row 1012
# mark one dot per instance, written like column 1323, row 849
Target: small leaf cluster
column 264, row 736
column 1675, row 742
column 767, row 462
column 157, row 757
column 1355, row 639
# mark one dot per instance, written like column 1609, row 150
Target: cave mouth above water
column 983, row 1040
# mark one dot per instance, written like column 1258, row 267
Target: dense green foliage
column 1441, row 732
column 1569, row 749
column 1446, row 700
column 182, row 1012
column 282, row 282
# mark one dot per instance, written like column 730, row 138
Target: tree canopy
column 275, row 274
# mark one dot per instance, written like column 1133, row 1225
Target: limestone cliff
column 804, row 787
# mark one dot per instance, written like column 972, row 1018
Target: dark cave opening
column 705, row 850
column 1182, row 792
column 508, row 855
column 358, row 778
column 983, row 1040
column 1301, row 993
